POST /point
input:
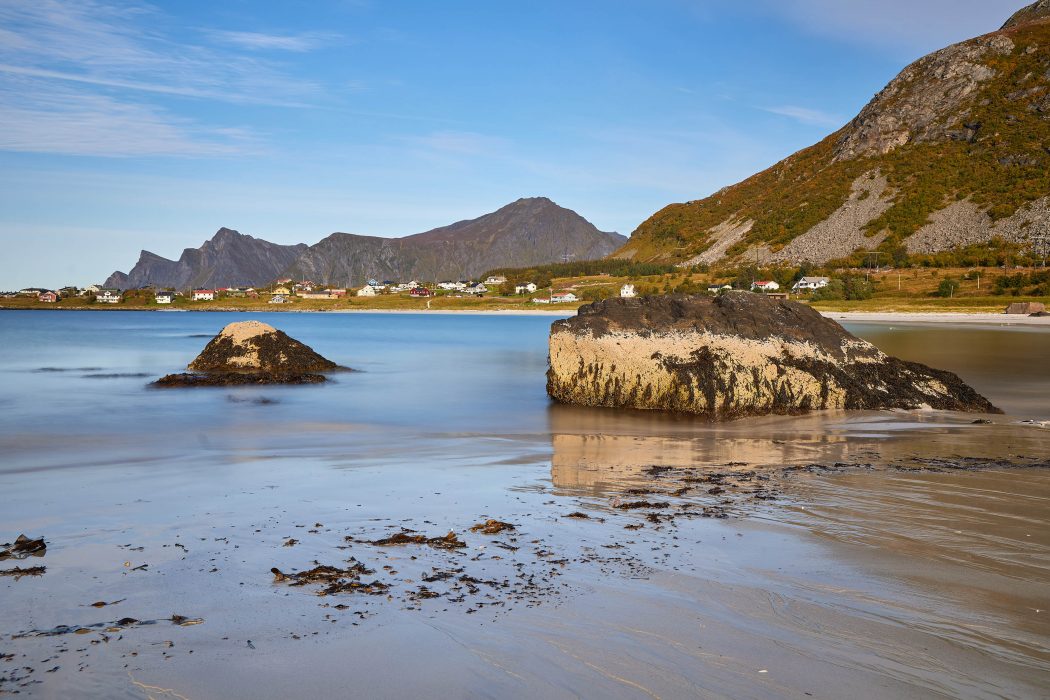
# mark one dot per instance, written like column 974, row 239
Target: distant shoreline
column 938, row 317
column 903, row 317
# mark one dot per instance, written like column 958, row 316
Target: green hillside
column 990, row 145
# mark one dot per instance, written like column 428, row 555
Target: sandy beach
column 905, row 317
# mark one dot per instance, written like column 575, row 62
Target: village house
column 204, row 295
column 452, row 286
column 627, row 291
column 529, row 288
column 495, row 280
column 478, row 289
column 278, row 299
column 366, row 291
column 31, row 291
column 563, row 297
column 764, row 286
column 283, row 280
column 164, row 297
column 108, row 296
column 48, row 297
column 283, row 291
column 808, row 284
column 90, row 289
column 420, row 292
column 718, row 288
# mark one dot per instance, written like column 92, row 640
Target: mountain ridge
column 529, row 231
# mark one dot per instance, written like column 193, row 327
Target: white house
column 477, row 289
column 204, row 295
column 495, row 280
column 528, row 288
column 90, row 289
column 108, row 296
column 164, row 297
column 563, row 297
column 716, row 288
column 808, row 284
column 628, row 291
column 278, row 299
column 764, row 286
column 366, row 291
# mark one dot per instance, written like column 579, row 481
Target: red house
column 49, row 297
column 420, row 292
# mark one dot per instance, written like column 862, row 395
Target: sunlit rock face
column 739, row 354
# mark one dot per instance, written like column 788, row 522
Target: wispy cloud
column 900, row 24
column 102, row 78
column 258, row 41
column 73, row 123
column 460, row 143
column 805, row 115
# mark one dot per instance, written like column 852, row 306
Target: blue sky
column 126, row 125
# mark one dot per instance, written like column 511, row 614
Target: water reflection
column 600, row 450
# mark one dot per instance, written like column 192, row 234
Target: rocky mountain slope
column 954, row 151
column 532, row 231
column 228, row 259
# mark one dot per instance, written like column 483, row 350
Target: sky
column 128, row 126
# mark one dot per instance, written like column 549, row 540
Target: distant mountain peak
column 228, row 258
column 1035, row 11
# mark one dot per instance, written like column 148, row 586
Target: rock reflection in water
column 599, row 450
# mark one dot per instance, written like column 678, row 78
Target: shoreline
column 939, row 317
column 905, row 317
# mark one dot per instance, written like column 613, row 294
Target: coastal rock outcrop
column 252, row 352
column 739, row 354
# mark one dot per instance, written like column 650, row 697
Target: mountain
column 228, row 259
column 531, row 231
column 955, row 151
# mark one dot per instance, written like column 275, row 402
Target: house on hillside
column 718, row 288
column 495, row 280
column 108, row 296
column 31, row 291
column 627, row 291
column 164, row 297
column 808, row 284
column 283, row 280
column 204, row 295
column 764, row 286
column 563, row 297
column 527, row 288
column 366, row 291
column 477, row 289
column 90, row 289
column 420, row 293
column 47, row 297
column 278, row 299
column 282, row 290
column 324, row 294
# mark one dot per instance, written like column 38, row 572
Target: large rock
column 740, row 354
column 252, row 352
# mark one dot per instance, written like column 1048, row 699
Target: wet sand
column 916, row 317
column 867, row 555
column 862, row 578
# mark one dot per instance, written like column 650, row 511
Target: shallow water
column 870, row 583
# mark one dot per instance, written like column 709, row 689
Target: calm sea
column 447, row 423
